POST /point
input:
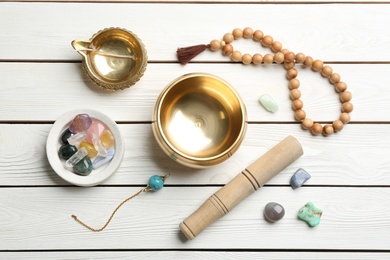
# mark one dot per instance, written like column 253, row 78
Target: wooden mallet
column 244, row 184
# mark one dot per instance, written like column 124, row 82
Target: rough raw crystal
column 311, row 214
column 97, row 127
column 83, row 167
column 107, row 139
column 101, row 160
column 80, row 123
column 90, row 148
column 100, row 148
column 76, row 139
column 273, row 212
column 299, row 178
column 66, row 151
column 75, row 158
column 269, row 103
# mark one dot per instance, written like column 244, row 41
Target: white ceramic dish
column 54, row 143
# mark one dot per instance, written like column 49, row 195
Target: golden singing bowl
column 114, row 58
column 199, row 120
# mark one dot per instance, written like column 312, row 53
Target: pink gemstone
column 97, row 128
column 80, row 123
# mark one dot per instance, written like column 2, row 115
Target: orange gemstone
column 92, row 152
column 107, row 139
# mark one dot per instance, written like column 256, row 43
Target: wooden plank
column 167, row 255
column 49, row 90
column 357, row 156
column 40, row 218
column 324, row 32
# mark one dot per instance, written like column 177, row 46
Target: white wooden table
column 41, row 79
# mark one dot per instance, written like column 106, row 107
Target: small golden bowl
column 114, row 58
column 199, row 120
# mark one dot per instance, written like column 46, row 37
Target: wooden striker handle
column 244, row 184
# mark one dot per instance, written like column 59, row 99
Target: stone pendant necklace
column 288, row 59
column 155, row 183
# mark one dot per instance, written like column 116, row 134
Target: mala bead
column 294, row 83
column 279, row 58
column 308, row 61
column 300, row 57
column 316, row 129
column 289, row 57
column 341, row 86
column 345, row 96
column 215, row 45
column 267, row 41
column 307, row 123
column 258, row 35
column 317, row 65
column 246, row 58
column 297, row 104
column 228, row 38
column 292, row 73
column 227, row 49
column 328, row 130
column 334, row 78
column 345, row 118
column 300, row 115
column 237, row 33
column 236, row 56
column 248, row 32
column 347, row 107
column 326, row 71
column 338, row 125
column 295, row 94
column 284, row 51
column 289, row 65
column 268, row 58
column 257, row 58
column 276, row 46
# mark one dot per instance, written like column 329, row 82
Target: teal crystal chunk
column 269, row 103
column 311, row 214
column 83, row 167
column 66, row 151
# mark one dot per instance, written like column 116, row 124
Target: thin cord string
column 112, row 214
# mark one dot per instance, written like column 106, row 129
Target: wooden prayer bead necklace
column 288, row 59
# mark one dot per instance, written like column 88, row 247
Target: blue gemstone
column 299, row 178
column 156, row 182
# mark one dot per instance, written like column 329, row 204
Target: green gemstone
column 311, row 214
column 83, row 167
column 66, row 151
column 269, row 103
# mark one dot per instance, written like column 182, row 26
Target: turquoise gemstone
column 310, row 214
column 83, row 167
column 156, row 182
column 269, row 103
column 66, row 151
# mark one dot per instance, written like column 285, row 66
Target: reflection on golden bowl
column 199, row 120
column 114, row 58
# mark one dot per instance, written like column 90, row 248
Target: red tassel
column 184, row 55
